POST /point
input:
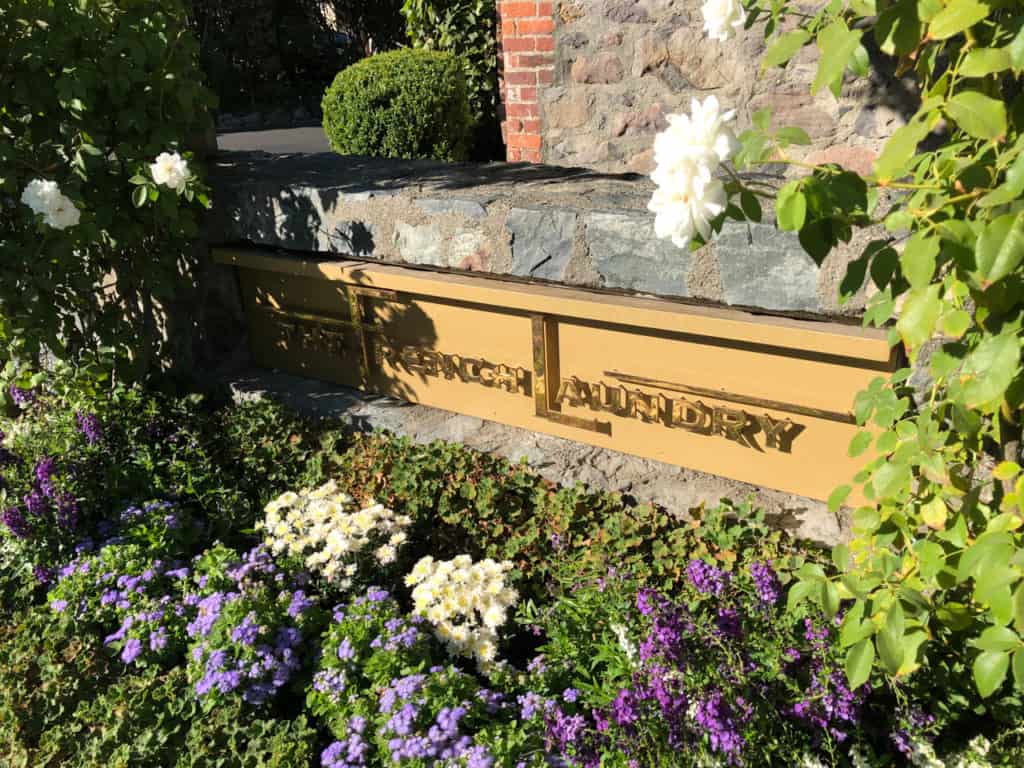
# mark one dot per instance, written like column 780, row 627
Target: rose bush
column 933, row 583
column 93, row 93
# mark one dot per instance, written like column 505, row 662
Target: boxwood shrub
column 409, row 104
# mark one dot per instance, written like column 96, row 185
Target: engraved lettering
column 730, row 422
column 486, row 373
column 641, row 405
column 779, row 434
column 695, row 417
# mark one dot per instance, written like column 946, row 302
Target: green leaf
column 859, row 660
column 860, row 61
column 750, row 205
column 1018, row 670
column 139, row 196
column 990, row 368
column 791, row 207
column 985, row 61
column 912, row 641
column 1016, row 51
column 890, row 648
column 762, row 119
column 799, row 592
column 956, row 323
column 990, row 671
column 782, row 50
column 838, row 497
column 837, row 44
column 1006, row 470
column 860, row 443
column 997, row 639
column 793, row 135
column 979, row 115
column 934, row 513
column 918, row 259
column 829, row 597
column 920, row 313
column 1010, row 189
column 1000, row 248
column 957, row 16
column 890, row 479
column 900, row 149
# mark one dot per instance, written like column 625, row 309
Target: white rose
column 171, row 171
column 44, row 197
column 64, row 214
column 688, row 198
column 703, row 136
column 723, row 18
column 40, row 195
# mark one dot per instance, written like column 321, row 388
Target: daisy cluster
column 466, row 602
column 320, row 526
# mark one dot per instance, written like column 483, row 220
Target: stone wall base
column 562, row 461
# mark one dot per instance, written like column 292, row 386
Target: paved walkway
column 280, row 141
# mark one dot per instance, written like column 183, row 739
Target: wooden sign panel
column 765, row 400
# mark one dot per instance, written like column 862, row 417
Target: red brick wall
column 526, row 61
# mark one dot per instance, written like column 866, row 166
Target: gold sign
column 761, row 399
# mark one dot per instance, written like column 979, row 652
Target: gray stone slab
column 541, row 242
column 627, row 255
column 764, row 267
column 468, row 208
column 419, row 244
column 562, row 461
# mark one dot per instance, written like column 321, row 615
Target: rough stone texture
column 765, row 267
column 561, row 461
column 468, row 208
column 541, row 242
column 621, row 57
column 624, row 253
column 575, row 226
column 422, row 244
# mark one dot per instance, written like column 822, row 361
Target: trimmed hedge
column 408, row 104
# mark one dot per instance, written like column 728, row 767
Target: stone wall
column 572, row 226
column 619, row 66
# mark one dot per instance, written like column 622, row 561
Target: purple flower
column 719, row 721
column 35, row 503
column 44, row 472
column 59, row 605
column 530, row 704
column 248, row 631
column 345, row 650
column 131, row 651
column 571, row 695
column 158, row 639
column 766, row 582
column 89, row 425
column 22, row 398
column 15, row 522
column 299, row 604
column 706, row 578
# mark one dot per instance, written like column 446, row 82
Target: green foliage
column 934, row 579
column 467, row 29
column 224, row 462
column 407, row 104
column 476, row 503
column 92, row 92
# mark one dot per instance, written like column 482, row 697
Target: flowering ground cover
column 186, row 584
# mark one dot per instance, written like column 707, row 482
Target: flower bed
column 227, row 594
